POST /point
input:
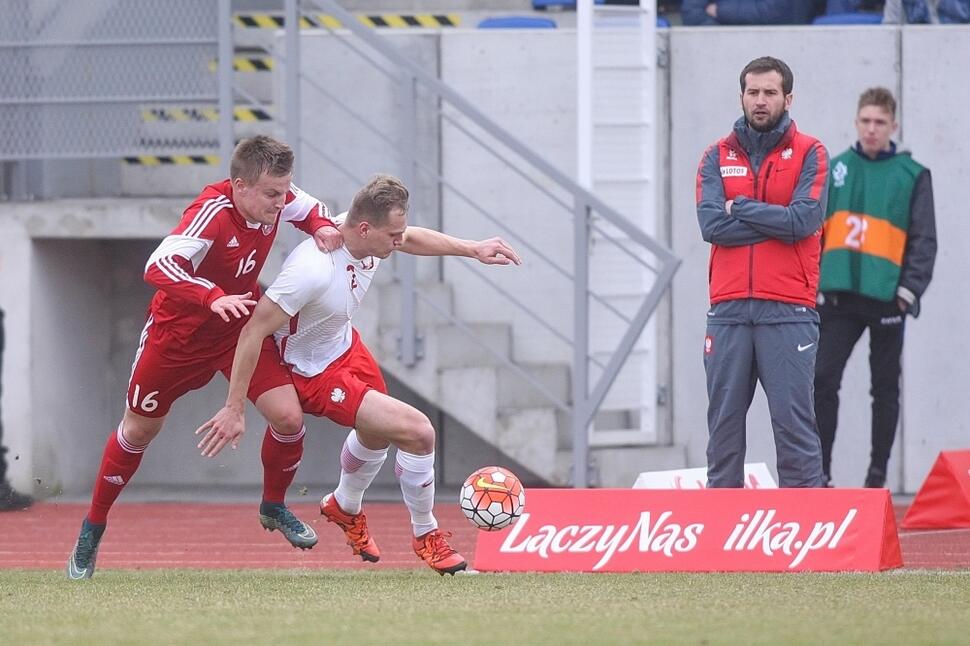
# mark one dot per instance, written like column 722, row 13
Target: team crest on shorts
column 337, row 395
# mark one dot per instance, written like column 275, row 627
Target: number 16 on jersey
column 147, row 403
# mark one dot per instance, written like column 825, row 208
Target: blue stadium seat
column 848, row 19
column 542, row 5
column 517, row 22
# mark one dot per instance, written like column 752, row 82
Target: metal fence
column 76, row 78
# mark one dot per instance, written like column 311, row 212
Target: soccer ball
column 492, row 498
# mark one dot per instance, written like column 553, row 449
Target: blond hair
column 374, row 202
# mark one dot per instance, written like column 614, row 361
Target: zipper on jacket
column 761, row 197
column 764, row 186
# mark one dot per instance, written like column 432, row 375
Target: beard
column 765, row 126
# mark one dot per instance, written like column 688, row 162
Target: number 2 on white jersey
column 246, row 265
column 857, row 231
column 147, row 404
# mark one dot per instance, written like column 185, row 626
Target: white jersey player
column 321, row 293
column 309, row 309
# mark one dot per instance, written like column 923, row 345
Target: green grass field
column 390, row 607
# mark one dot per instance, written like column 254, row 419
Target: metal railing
column 579, row 203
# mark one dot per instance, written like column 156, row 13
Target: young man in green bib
column 879, row 246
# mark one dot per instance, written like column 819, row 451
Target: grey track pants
column 775, row 343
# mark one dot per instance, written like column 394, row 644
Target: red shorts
column 336, row 392
column 162, row 372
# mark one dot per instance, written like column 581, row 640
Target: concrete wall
column 529, row 91
column 358, row 147
column 936, row 409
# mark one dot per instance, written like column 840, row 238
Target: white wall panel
column 936, row 90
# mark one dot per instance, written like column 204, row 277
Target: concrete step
column 469, row 395
column 456, row 349
column 391, row 295
column 515, row 391
column 181, row 180
column 529, row 435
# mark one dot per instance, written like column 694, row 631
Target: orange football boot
column 435, row 551
column 355, row 528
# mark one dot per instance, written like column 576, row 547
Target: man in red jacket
column 761, row 194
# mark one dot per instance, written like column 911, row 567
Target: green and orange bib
column 866, row 223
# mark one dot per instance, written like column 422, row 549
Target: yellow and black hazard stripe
column 316, row 21
column 275, row 21
column 399, row 21
column 247, row 64
column 169, row 114
column 173, row 160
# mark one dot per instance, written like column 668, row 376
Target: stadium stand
column 848, row 19
column 517, row 22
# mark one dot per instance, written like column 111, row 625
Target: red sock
column 118, row 465
column 281, row 457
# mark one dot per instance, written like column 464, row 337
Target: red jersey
column 212, row 252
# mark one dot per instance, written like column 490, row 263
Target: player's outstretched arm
column 229, row 424
column 419, row 241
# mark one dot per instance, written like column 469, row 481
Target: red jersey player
column 310, row 306
column 206, row 272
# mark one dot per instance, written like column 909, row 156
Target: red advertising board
column 943, row 502
column 730, row 530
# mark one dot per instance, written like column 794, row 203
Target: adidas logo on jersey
column 115, row 480
column 233, row 242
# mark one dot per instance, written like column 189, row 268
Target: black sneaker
column 11, row 499
column 274, row 516
column 81, row 563
column 875, row 479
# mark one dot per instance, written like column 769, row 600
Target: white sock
column 416, row 473
column 358, row 468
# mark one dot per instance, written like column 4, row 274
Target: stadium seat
column 848, row 19
column 517, row 22
column 542, row 5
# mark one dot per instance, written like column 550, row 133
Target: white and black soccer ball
column 492, row 498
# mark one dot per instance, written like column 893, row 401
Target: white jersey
column 320, row 291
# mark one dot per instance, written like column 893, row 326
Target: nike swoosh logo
column 484, row 484
column 73, row 571
column 802, row 348
column 428, row 483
